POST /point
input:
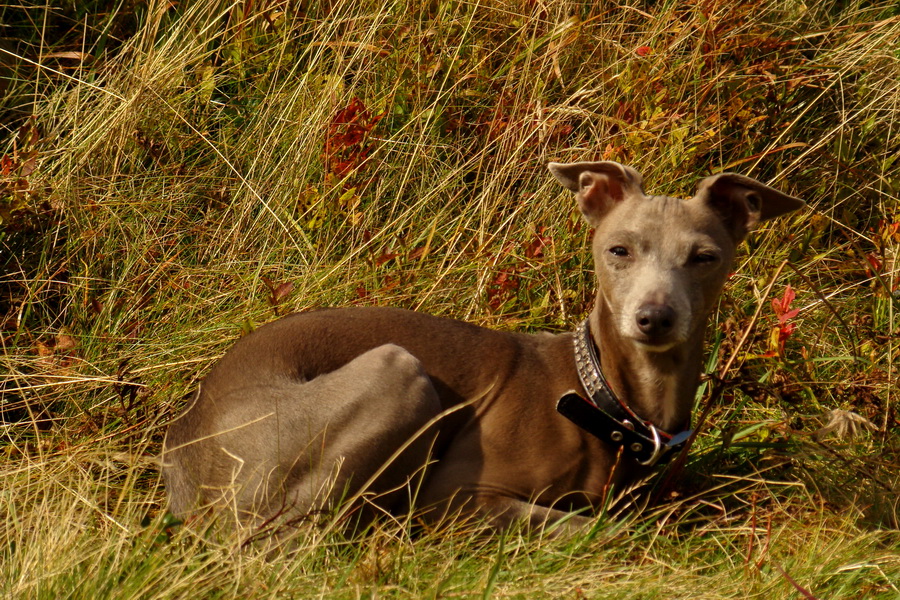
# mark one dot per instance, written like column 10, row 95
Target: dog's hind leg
column 291, row 447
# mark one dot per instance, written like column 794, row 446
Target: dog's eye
column 620, row 251
column 704, row 258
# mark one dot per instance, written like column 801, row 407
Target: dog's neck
column 657, row 386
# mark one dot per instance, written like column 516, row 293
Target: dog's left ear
column 743, row 202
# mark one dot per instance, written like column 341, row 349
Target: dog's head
column 661, row 262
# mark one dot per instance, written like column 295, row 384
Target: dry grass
column 189, row 173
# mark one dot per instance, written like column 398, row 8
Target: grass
column 175, row 174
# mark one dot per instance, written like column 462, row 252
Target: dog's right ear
column 598, row 186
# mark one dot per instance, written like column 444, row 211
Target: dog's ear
column 598, row 186
column 742, row 202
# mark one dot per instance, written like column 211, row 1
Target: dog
column 388, row 411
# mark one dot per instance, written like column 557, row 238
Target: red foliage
column 782, row 306
column 511, row 116
column 535, row 249
column 346, row 141
column 784, row 312
column 504, row 283
column 507, row 282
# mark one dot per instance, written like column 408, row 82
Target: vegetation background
column 173, row 174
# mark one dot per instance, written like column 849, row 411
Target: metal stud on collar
column 584, row 358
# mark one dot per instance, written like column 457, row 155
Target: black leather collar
column 606, row 417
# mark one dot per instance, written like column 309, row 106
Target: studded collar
column 605, row 416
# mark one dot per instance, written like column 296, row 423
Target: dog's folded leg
column 288, row 448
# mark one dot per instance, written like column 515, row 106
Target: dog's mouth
column 655, row 344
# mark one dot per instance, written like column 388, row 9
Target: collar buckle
column 658, row 448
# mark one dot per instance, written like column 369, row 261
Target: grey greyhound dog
column 391, row 410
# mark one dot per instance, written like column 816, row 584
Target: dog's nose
column 655, row 320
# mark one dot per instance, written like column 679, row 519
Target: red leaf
column 385, row 257
column 499, row 290
column 346, row 149
column 342, row 167
column 389, row 284
column 536, row 248
column 873, row 260
column 282, row 290
column 789, row 315
column 643, row 50
column 782, row 305
column 784, row 332
column 28, row 167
